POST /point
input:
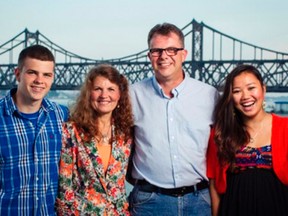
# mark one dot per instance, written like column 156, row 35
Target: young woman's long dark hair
column 230, row 132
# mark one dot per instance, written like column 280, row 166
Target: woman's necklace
column 252, row 138
column 105, row 137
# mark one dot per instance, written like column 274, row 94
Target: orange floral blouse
column 84, row 189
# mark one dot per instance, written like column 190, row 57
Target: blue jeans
column 146, row 203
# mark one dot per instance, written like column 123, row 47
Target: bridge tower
column 31, row 38
column 197, row 47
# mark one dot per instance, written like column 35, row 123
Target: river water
column 275, row 102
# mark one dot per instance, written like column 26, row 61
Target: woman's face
column 104, row 95
column 248, row 94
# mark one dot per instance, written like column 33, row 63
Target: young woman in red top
column 248, row 150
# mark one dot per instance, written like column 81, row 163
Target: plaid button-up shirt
column 29, row 157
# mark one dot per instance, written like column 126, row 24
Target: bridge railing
column 212, row 58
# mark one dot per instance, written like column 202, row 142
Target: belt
column 181, row 191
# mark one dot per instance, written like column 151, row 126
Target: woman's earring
column 264, row 105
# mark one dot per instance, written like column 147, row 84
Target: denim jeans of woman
column 193, row 204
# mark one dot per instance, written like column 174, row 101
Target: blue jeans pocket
column 138, row 197
column 205, row 196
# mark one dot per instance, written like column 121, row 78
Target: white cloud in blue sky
column 117, row 28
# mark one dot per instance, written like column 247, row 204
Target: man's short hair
column 165, row 29
column 36, row 52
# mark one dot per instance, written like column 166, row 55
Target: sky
column 116, row 28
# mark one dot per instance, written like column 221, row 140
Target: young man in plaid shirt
column 30, row 137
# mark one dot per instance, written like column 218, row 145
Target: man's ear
column 17, row 72
column 148, row 54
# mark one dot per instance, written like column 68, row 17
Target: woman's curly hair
column 85, row 116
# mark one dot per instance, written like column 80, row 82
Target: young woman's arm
column 215, row 198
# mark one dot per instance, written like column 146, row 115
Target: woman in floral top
column 96, row 147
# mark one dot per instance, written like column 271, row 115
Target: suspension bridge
column 213, row 55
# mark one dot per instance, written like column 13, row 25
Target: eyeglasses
column 170, row 51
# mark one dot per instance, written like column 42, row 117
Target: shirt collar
column 11, row 107
column 175, row 91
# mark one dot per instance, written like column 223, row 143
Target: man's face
column 167, row 67
column 35, row 79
